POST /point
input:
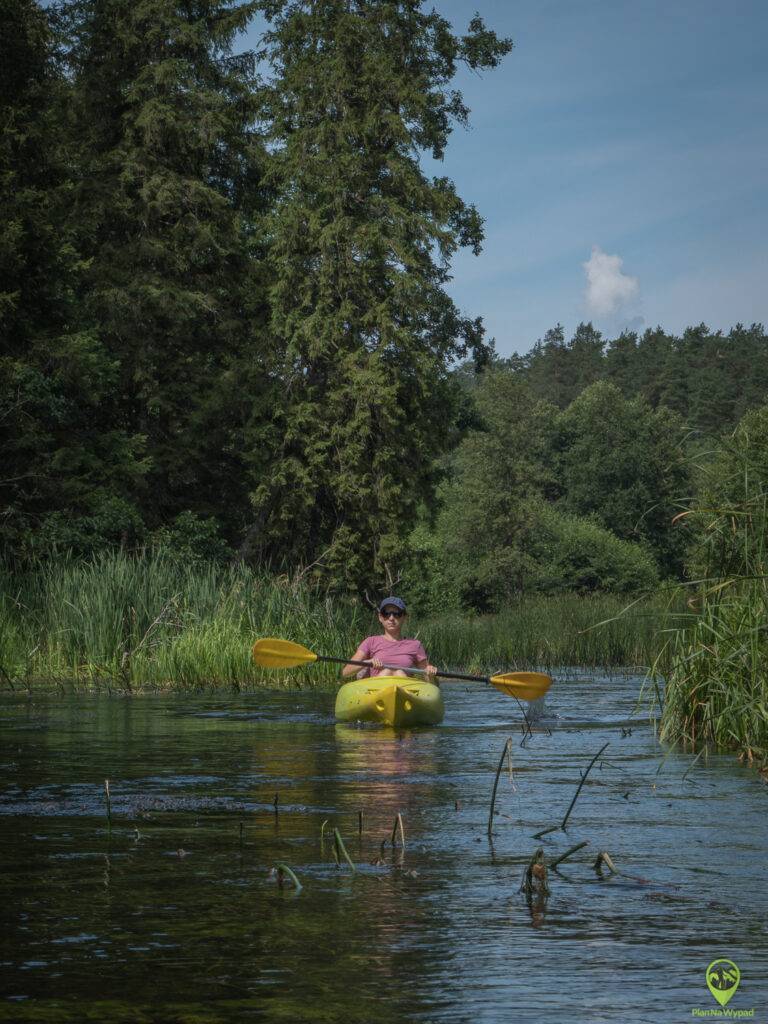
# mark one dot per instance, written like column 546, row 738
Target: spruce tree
column 66, row 470
column 169, row 209
column 361, row 244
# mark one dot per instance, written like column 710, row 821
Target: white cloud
column 609, row 290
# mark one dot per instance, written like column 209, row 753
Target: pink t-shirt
column 403, row 654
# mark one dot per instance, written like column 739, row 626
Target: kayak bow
column 390, row 700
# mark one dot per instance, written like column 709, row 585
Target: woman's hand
column 375, row 663
column 431, row 670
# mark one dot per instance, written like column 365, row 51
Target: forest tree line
column 226, row 328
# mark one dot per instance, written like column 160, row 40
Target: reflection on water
column 174, row 916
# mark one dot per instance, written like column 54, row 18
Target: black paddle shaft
column 443, row 675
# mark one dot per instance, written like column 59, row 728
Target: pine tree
column 549, row 370
column 587, row 363
column 655, row 352
column 747, row 360
column 621, row 363
column 169, row 209
column 361, row 243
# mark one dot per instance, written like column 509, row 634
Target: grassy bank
column 151, row 621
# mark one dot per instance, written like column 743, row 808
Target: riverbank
column 152, row 622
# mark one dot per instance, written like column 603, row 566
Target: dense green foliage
column 226, row 329
column 542, row 500
column 623, row 463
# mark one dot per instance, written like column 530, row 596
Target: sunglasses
column 391, row 615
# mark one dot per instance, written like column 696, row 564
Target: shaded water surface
column 174, row 916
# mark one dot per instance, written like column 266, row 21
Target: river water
column 174, row 914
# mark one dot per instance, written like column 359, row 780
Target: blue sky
column 629, row 135
column 635, row 126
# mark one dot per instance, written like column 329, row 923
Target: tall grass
column 715, row 665
column 153, row 621
column 548, row 632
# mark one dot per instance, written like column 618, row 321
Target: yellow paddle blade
column 281, row 654
column 523, row 685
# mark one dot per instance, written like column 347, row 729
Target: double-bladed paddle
column 271, row 653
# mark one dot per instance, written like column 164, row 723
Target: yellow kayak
column 390, row 700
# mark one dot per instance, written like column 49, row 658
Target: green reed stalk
column 282, row 870
column 341, row 850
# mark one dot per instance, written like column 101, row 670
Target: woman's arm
column 351, row 670
column 424, row 663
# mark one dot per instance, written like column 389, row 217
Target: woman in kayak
column 390, row 648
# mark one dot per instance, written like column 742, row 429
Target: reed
column 282, row 871
column 150, row 620
column 715, row 664
column 340, row 851
column 547, row 632
column 398, row 828
column 109, row 804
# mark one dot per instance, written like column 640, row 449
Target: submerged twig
column 505, row 751
column 567, row 854
column 546, row 831
column 578, row 788
column 604, row 858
